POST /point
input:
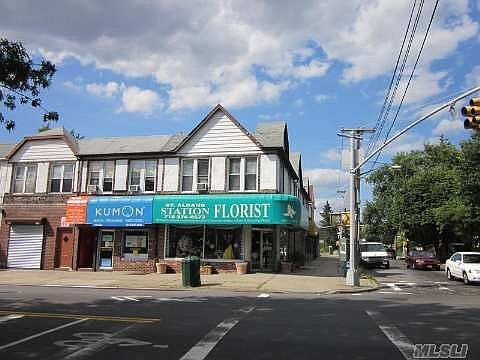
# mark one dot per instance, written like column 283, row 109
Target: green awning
column 268, row 209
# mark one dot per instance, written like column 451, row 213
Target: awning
column 268, row 209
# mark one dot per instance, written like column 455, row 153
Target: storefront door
column 105, row 250
column 262, row 249
column 64, row 247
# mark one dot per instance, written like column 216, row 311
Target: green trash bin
column 191, row 271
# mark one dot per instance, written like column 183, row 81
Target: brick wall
column 175, row 266
column 16, row 211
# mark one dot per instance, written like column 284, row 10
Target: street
column 417, row 307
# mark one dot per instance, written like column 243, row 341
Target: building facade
column 126, row 203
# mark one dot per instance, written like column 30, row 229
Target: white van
column 373, row 254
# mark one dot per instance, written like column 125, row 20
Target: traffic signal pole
column 355, row 135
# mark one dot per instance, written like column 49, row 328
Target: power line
column 393, row 75
column 411, row 74
column 400, row 74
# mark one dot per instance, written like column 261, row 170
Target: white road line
column 396, row 292
column 403, row 344
column 445, row 288
column 263, row 296
column 117, row 298
column 209, row 341
column 10, row 317
column 42, row 333
column 393, row 286
column 131, row 298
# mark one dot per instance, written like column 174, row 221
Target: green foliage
column 433, row 197
column 21, row 81
column 326, row 230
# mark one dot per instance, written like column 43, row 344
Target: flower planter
column 206, row 270
column 241, row 267
column 161, row 268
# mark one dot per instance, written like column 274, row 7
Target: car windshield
column 372, row 247
column 422, row 254
column 471, row 258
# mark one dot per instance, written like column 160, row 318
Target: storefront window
column 284, row 251
column 135, row 245
column 185, row 241
column 223, row 243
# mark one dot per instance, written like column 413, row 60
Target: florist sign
column 120, row 210
column 226, row 209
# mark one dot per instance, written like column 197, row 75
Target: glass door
column 256, row 249
column 106, row 250
column 267, row 250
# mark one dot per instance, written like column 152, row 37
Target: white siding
column 3, row 178
column 83, row 186
column 121, row 173
column 217, row 175
column 268, row 172
column 39, row 150
column 160, row 175
column 172, row 167
column 42, row 177
column 8, row 180
column 219, row 136
column 76, row 176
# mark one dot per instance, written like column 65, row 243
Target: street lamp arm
column 415, row 123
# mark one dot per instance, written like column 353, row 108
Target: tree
column 21, row 81
column 328, row 230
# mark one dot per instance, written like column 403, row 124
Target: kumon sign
column 226, row 209
column 119, row 210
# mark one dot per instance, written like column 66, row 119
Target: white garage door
column 25, row 246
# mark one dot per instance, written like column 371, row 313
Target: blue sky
column 157, row 67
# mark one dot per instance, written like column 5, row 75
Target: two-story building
column 123, row 203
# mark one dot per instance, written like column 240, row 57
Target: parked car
column 464, row 265
column 373, row 254
column 420, row 259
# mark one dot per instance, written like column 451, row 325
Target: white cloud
column 331, row 155
column 320, row 98
column 73, row 85
column 473, row 78
column 445, row 127
column 409, row 142
column 326, row 177
column 236, row 53
column 135, row 99
column 105, row 90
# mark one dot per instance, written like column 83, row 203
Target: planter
column 206, row 270
column 285, row 267
column 161, row 268
column 241, row 267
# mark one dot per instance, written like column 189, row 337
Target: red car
column 422, row 260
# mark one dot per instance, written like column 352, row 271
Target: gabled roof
column 295, row 160
column 5, row 149
column 217, row 108
column 55, row 133
column 128, row 144
column 271, row 134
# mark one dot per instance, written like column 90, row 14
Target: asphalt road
column 77, row 323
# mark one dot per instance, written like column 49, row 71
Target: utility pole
column 355, row 135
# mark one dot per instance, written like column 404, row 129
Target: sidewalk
column 318, row 277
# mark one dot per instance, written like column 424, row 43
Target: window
column 61, row 178
column 223, row 242
column 143, row 174
column 100, row 173
column 135, row 245
column 251, row 173
column 185, row 241
column 187, row 175
column 234, row 174
column 25, row 176
column 202, row 171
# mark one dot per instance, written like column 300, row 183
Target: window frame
column 62, row 177
column 245, row 173
column 101, row 174
column 194, row 175
column 143, row 176
column 240, row 188
column 125, row 233
column 25, row 167
column 182, row 175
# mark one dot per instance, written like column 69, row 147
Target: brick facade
column 23, row 209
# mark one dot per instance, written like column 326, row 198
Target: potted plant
column 286, row 267
column 242, row 267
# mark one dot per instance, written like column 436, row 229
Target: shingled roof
column 5, row 150
column 271, row 134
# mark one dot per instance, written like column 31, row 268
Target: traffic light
column 472, row 113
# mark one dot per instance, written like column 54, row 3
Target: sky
column 158, row 67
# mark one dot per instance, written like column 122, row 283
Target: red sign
column 76, row 210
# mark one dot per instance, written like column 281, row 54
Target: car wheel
column 387, row 266
column 465, row 278
column 449, row 275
